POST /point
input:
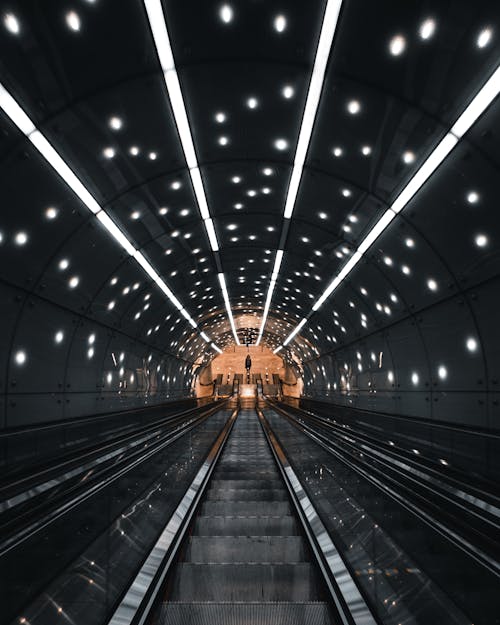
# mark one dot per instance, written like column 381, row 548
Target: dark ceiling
column 88, row 75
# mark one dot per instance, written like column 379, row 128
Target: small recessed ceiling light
column 63, row 264
column 484, row 37
column 432, row 284
column 109, row 152
column 472, row 197
column 232, row 226
column 152, row 156
column 414, row 378
column 281, row 144
column 238, row 206
column 21, row 238
column 346, row 192
column 226, row 13
column 20, row 357
column 471, row 344
column 51, row 212
column 406, row 270
column 251, row 192
column 135, row 215
column 409, row 242
column 337, row 151
column 266, row 190
column 288, row 92
column 279, row 23
column 58, row 338
column 481, row 240
column 427, row 29
column 353, row 107
column 220, row 117
column 184, row 212
column 322, row 215
column 236, row 179
column 397, row 45
column 222, row 140
column 252, row 103
column 12, row 23
column 442, row 372
column 366, row 150
column 163, row 210
column 176, row 185
column 408, row 157
column 134, row 151
column 267, row 171
column 73, row 21
column 115, row 123
column 73, row 282
column 353, row 219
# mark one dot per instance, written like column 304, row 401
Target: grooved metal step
column 205, row 613
column 245, row 526
column 223, row 549
column 244, row 582
column 244, row 508
column 253, row 494
column 245, row 562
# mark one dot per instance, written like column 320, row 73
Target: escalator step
column 244, row 508
column 227, row 549
column 245, row 526
column 269, row 484
column 244, row 582
column 205, row 613
column 254, row 494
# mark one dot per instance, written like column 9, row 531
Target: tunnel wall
column 422, row 366
column 92, row 370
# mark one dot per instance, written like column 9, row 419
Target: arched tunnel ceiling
column 398, row 76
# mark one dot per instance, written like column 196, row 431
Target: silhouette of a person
column 248, row 364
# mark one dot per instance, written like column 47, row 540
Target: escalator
column 245, row 559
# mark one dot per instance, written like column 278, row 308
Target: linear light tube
column 328, row 28
column 115, row 232
column 163, row 45
column 470, row 115
column 296, row 331
column 479, row 104
column 18, row 116
column 223, row 287
column 274, row 276
column 212, row 237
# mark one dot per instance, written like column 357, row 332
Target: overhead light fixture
column 470, row 115
column 158, row 25
column 328, row 28
column 18, row 116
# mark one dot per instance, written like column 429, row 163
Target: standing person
column 248, row 366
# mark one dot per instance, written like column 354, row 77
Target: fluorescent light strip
column 481, row 101
column 276, row 268
column 225, row 295
column 19, row 117
column 328, row 28
column 161, row 39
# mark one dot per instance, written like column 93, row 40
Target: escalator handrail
column 349, row 602
column 91, row 488
column 137, row 603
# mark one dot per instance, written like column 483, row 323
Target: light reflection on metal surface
column 137, row 592
column 28, row 531
column 358, row 608
column 471, row 549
